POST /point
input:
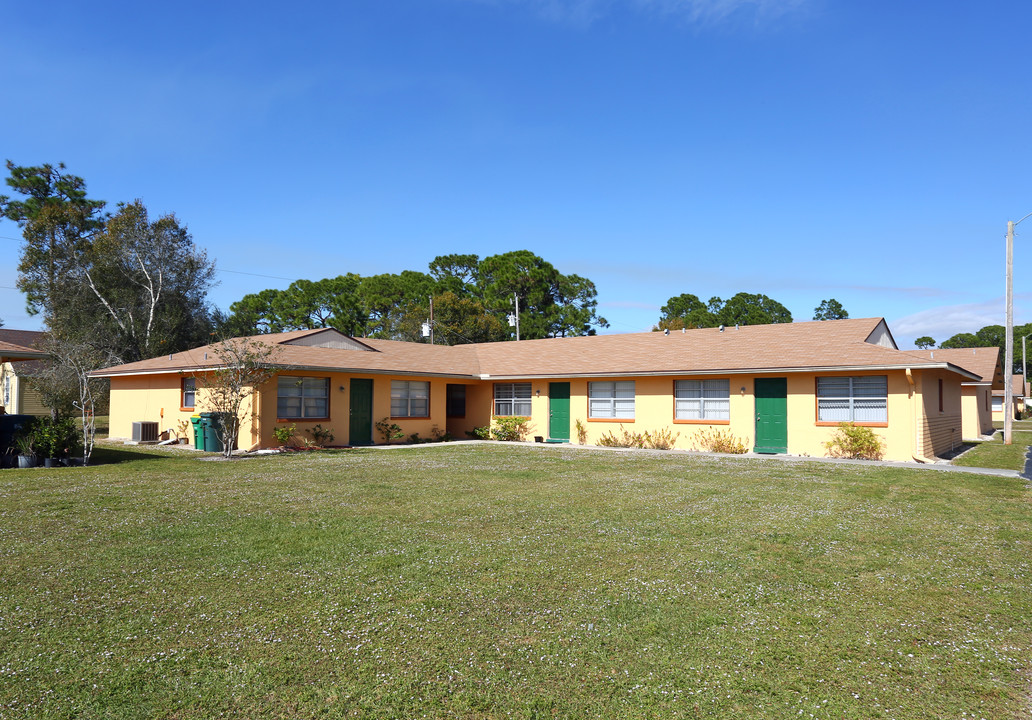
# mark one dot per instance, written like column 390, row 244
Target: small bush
column 388, row 430
column 655, row 440
column 320, row 436
column 661, row 439
column 856, row 442
column 721, row 441
column 511, row 427
column 582, row 433
column 285, row 434
column 480, row 433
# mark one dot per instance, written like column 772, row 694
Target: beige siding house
column 976, row 395
column 20, row 359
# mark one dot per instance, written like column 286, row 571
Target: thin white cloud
column 585, row 12
column 944, row 322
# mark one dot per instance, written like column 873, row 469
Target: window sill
column 187, row 409
column 702, row 422
column 410, row 417
column 304, row 419
column 611, row 420
column 858, row 424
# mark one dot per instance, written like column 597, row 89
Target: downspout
column 916, row 416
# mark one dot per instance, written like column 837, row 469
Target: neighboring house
column 779, row 388
column 20, row 361
column 976, row 395
column 1019, row 393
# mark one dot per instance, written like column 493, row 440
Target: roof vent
column 667, row 331
column 932, row 354
column 721, row 328
column 683, row 331
column 736, row 326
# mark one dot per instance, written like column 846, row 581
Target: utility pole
column 1008, row 368
column 514, row 318
column 431, row 319
column 1008, row 362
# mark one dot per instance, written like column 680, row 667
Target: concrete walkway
column 943, row 466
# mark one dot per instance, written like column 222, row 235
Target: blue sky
column 807, row 149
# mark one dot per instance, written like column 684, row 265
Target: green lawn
column 490, row 581
column 994, row 454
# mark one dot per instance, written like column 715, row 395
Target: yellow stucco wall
column 654, row 410
column 977, row 411
column 915, row 425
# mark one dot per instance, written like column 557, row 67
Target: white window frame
column 512, row 399
column 996, row 404
column 192, row 392
column 410, row 398
column 703, row 400
column 861, row 399
column 311, row 393
column 611, row 400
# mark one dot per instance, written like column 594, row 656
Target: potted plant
column 26, row 444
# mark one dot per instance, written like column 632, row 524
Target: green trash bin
column 214, row 424
column 211, row 423
column 198, row 432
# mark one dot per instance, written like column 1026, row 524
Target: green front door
column 360, row 423
column 771, row 415
column 559, row 411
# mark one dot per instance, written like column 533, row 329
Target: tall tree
column 551, row 304
column 749, row 309
column 150, row 282
column 57, row 219
column 457, row 320
column 685, row 311
column 129, row 287
column 924, row 342
column 456, row 273
column 388, row 298
column 830, row 310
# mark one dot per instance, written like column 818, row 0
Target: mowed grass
column 994, row 454
column 491, row 581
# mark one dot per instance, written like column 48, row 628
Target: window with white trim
column 863, row 399
column 512, row 399
column 702, row 399
column 300, row 398
column 997, row 403
column 189, row 398
column 410, row 398
column 611, row 399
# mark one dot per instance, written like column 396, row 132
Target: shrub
column 511, row 427
column 721, row 441
column 582, row 433
column 856, row 442
column 285, row 434
column 320, row 436
column 389, row 431
column 661, row 439
column 480, row 433
column 656, row 440
column 54, row 438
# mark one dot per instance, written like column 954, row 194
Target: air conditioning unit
column 145, row 432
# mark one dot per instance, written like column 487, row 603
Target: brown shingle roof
column 833, row 344
column 25, row 338
column 12, row 351
column 984, row 362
